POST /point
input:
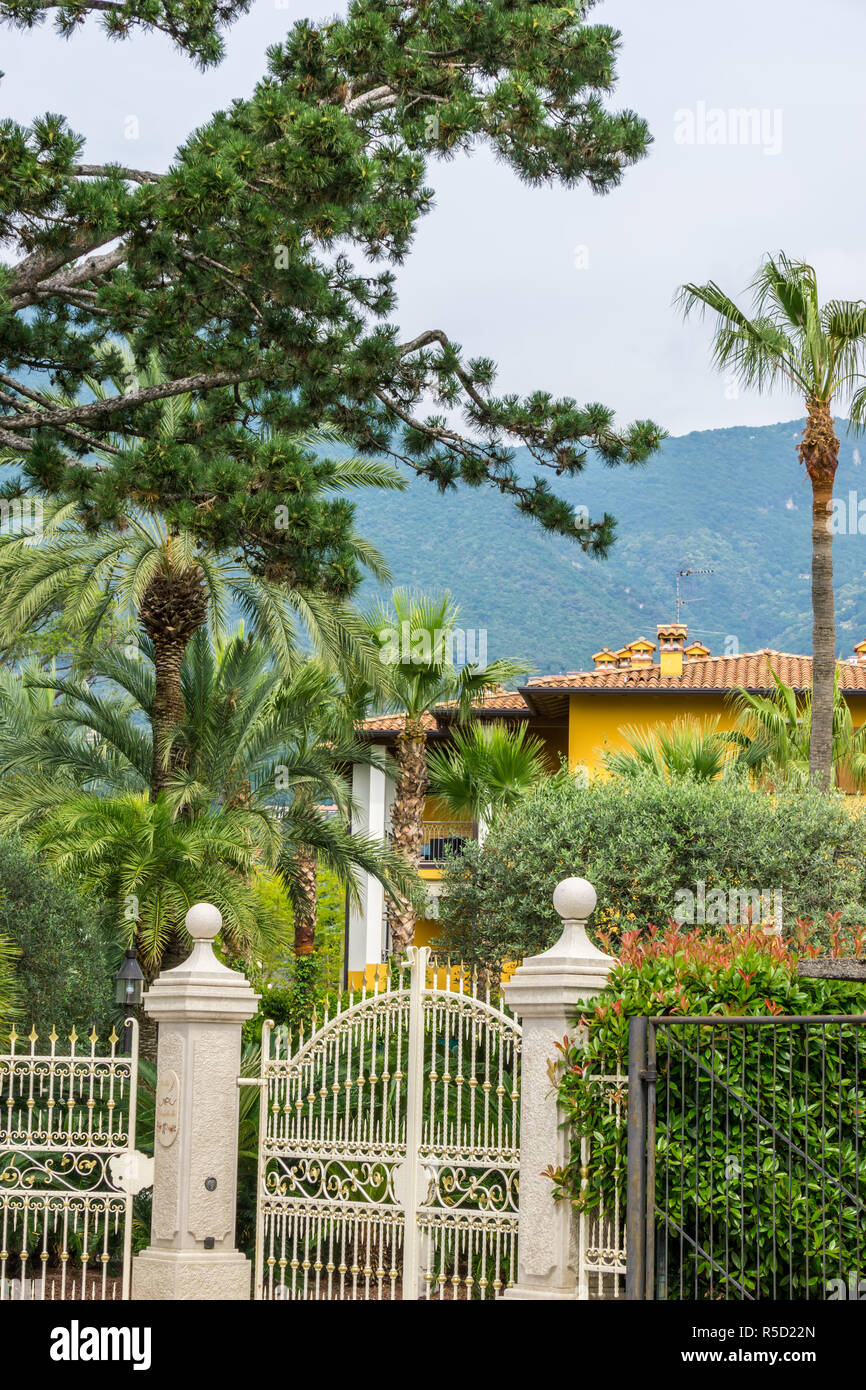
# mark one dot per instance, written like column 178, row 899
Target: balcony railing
column 445, row 839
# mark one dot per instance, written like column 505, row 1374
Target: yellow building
column 577, row 715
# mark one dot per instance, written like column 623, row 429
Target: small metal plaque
column 167, row 1108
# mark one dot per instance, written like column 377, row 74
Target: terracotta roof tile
column 491, row 700
column 393, row 723
column 751, row 670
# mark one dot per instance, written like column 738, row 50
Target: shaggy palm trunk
column 819, row 453
column 407, row 822
column 305, row 902
column 173, row 608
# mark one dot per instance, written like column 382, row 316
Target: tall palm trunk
column 303, row 904
column 173, row 608
column 819, row 453
column 305, row 891
column 407, row 822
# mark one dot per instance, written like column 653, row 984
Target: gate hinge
column 649, row 1074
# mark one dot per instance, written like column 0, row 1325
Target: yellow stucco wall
column 595, row 721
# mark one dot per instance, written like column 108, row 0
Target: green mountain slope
column 734, row 501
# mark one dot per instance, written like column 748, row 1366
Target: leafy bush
column 293, row 987
column 761, row 1205
column 10, row 988
column 68, row 950
column 640, row 841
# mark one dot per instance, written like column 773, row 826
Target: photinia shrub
column 752, row 1193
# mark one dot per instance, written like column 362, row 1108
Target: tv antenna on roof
column 683, row 574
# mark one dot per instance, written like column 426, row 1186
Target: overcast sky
column 567, row 291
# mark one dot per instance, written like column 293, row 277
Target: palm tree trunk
column 305, row 902
column 168, row 710
column 173, row 608
column 407, row 822
column 819, row 452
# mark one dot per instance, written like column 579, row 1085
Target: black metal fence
column 746, row 1147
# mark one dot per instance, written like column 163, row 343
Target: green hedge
column 68, row 950
column 639, row 842
column 754, row 1205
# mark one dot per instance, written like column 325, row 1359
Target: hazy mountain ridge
column 735, row 501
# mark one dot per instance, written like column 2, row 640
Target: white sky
column 494, row 264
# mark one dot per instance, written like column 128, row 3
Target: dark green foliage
column 193, row 25
column 238, row 266
column 761, row 1206
column 638, row 843
column 69, row 951
column 10, row 985
column 294, row 988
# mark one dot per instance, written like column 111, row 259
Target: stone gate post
column 546, row 992
column 199, row 1007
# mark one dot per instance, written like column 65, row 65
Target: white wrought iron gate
column 68, row 1167
column 389, row 1147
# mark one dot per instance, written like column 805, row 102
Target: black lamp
column 129, row 987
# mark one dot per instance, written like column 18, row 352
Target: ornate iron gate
column 389, row 1147
column 68, row 1168
column 745, row 1157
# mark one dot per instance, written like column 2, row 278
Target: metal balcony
column 445, row 839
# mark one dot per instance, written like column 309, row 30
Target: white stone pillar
column 546, row 992
column 367, row 916
column 200, row 1007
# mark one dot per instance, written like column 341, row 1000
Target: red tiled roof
column 709, row 674
column 751, row 670
column 492, row 699
column 393, row 723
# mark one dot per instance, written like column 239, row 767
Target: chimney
column 672, row 640
column 696, row 651
column 641, row 652
column 859, row 653
column 622, row 658
column 604, row 660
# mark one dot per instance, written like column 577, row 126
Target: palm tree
column 165, row 581
column 487, row 771
column 818, row 352
column 416, row 639
column 247, row 792
column 774, row 735
column 687, row 747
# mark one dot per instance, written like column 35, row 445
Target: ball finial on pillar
column 203, row 921
column 574, row 899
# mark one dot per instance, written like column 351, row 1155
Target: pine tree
column 261, row 265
